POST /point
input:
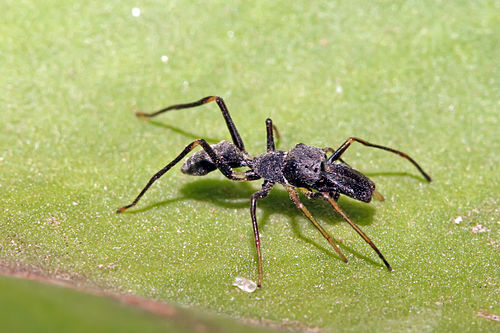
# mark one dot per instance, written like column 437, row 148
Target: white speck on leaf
column 136, row 12
column 478, row 228
column 244, row 284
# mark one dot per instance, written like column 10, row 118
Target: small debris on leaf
column 244, row 284
column 478, row 228
column 489, row 316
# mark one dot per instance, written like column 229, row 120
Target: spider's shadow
column 233, row 195
column 398, row 174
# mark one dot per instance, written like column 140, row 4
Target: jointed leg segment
column 336, row 155
column 295, row 198
column 220, row 102
column 262, row 193
column 270, row 135
column 223, row 167
column 332, row 200
column 337, row 208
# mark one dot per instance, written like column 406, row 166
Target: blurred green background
column 419, row 76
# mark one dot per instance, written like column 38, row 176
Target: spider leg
column 223, row 167
column 336, row 155
column 292, row 192
column 222, row 106
column 269, row 135
column 337, row 208
column 262, row 193
column 271, row 130
column 311, row 195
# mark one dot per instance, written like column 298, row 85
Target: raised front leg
column 222, row 106
column 336, row 155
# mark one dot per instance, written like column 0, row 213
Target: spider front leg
column 336, row 155
column 222, row 166
column 222, row 106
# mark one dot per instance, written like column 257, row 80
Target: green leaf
column 418, row 76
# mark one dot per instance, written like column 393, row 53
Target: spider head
column 341, row 178
column 306, row 166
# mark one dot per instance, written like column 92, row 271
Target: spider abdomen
column 199, row 164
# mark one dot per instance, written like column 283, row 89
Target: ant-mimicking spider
column 304, row 168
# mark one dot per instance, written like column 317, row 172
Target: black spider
column 304, row 168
